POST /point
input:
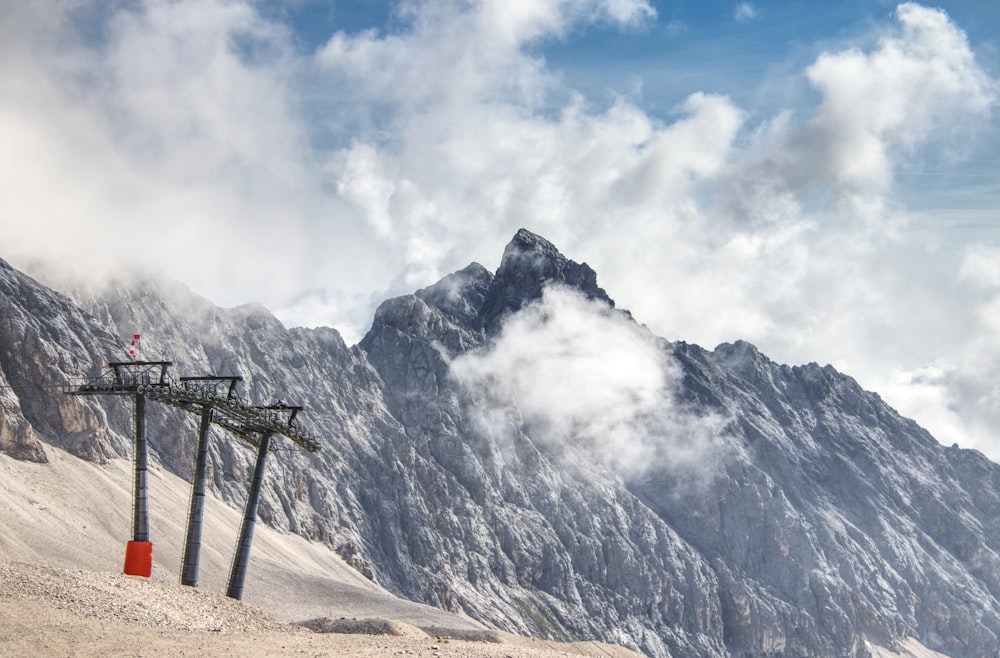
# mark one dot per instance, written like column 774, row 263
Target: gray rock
column 813, row 516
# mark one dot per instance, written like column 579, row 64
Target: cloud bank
column 197, row 136
column 583, row 375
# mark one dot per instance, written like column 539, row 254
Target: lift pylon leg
column 237, row 574
column 139, row 552
column 192, row 543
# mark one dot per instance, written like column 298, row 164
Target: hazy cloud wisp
column 584, row 376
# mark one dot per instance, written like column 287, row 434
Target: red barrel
column 139, row 558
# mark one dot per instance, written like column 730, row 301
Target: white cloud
column 744, row 12
column 981, row 265
column 920, row 81
column 174, row 142
column 581, row 374
column 192, row 135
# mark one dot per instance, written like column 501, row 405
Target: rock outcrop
column 740, row 508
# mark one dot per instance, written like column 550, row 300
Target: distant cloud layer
column 197, row 137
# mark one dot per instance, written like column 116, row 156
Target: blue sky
column 820, row 179
column 751, row 52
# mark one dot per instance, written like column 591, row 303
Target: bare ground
column 54, row 612
column 63, row 529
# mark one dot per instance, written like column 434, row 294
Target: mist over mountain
column 513, row 446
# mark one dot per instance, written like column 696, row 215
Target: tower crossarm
column 125, row 378
column 231, row 413
column 192, row 394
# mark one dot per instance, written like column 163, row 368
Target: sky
column 820, row 179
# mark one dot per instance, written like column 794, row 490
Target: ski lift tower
column 134, row 378
column 254, row 424
column 206, row 390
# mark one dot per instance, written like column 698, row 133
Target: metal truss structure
column 213, row 398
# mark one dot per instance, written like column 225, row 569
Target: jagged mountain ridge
column 827, row 519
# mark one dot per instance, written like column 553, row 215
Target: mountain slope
column 878, row 527
column 512, row 446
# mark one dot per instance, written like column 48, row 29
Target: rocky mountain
column 512, row 446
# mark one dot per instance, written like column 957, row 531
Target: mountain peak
column 529, row 264
column 461, row 293
column 524, row 241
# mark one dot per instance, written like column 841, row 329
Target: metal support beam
column 254, row 424
column 140, row 493
column 192, row 543
column 139, row 551
column 237, row 574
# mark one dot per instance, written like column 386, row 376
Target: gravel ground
column 54, row 612
column 140, row 602
column 70, row 516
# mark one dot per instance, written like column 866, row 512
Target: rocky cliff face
column 512, row 446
